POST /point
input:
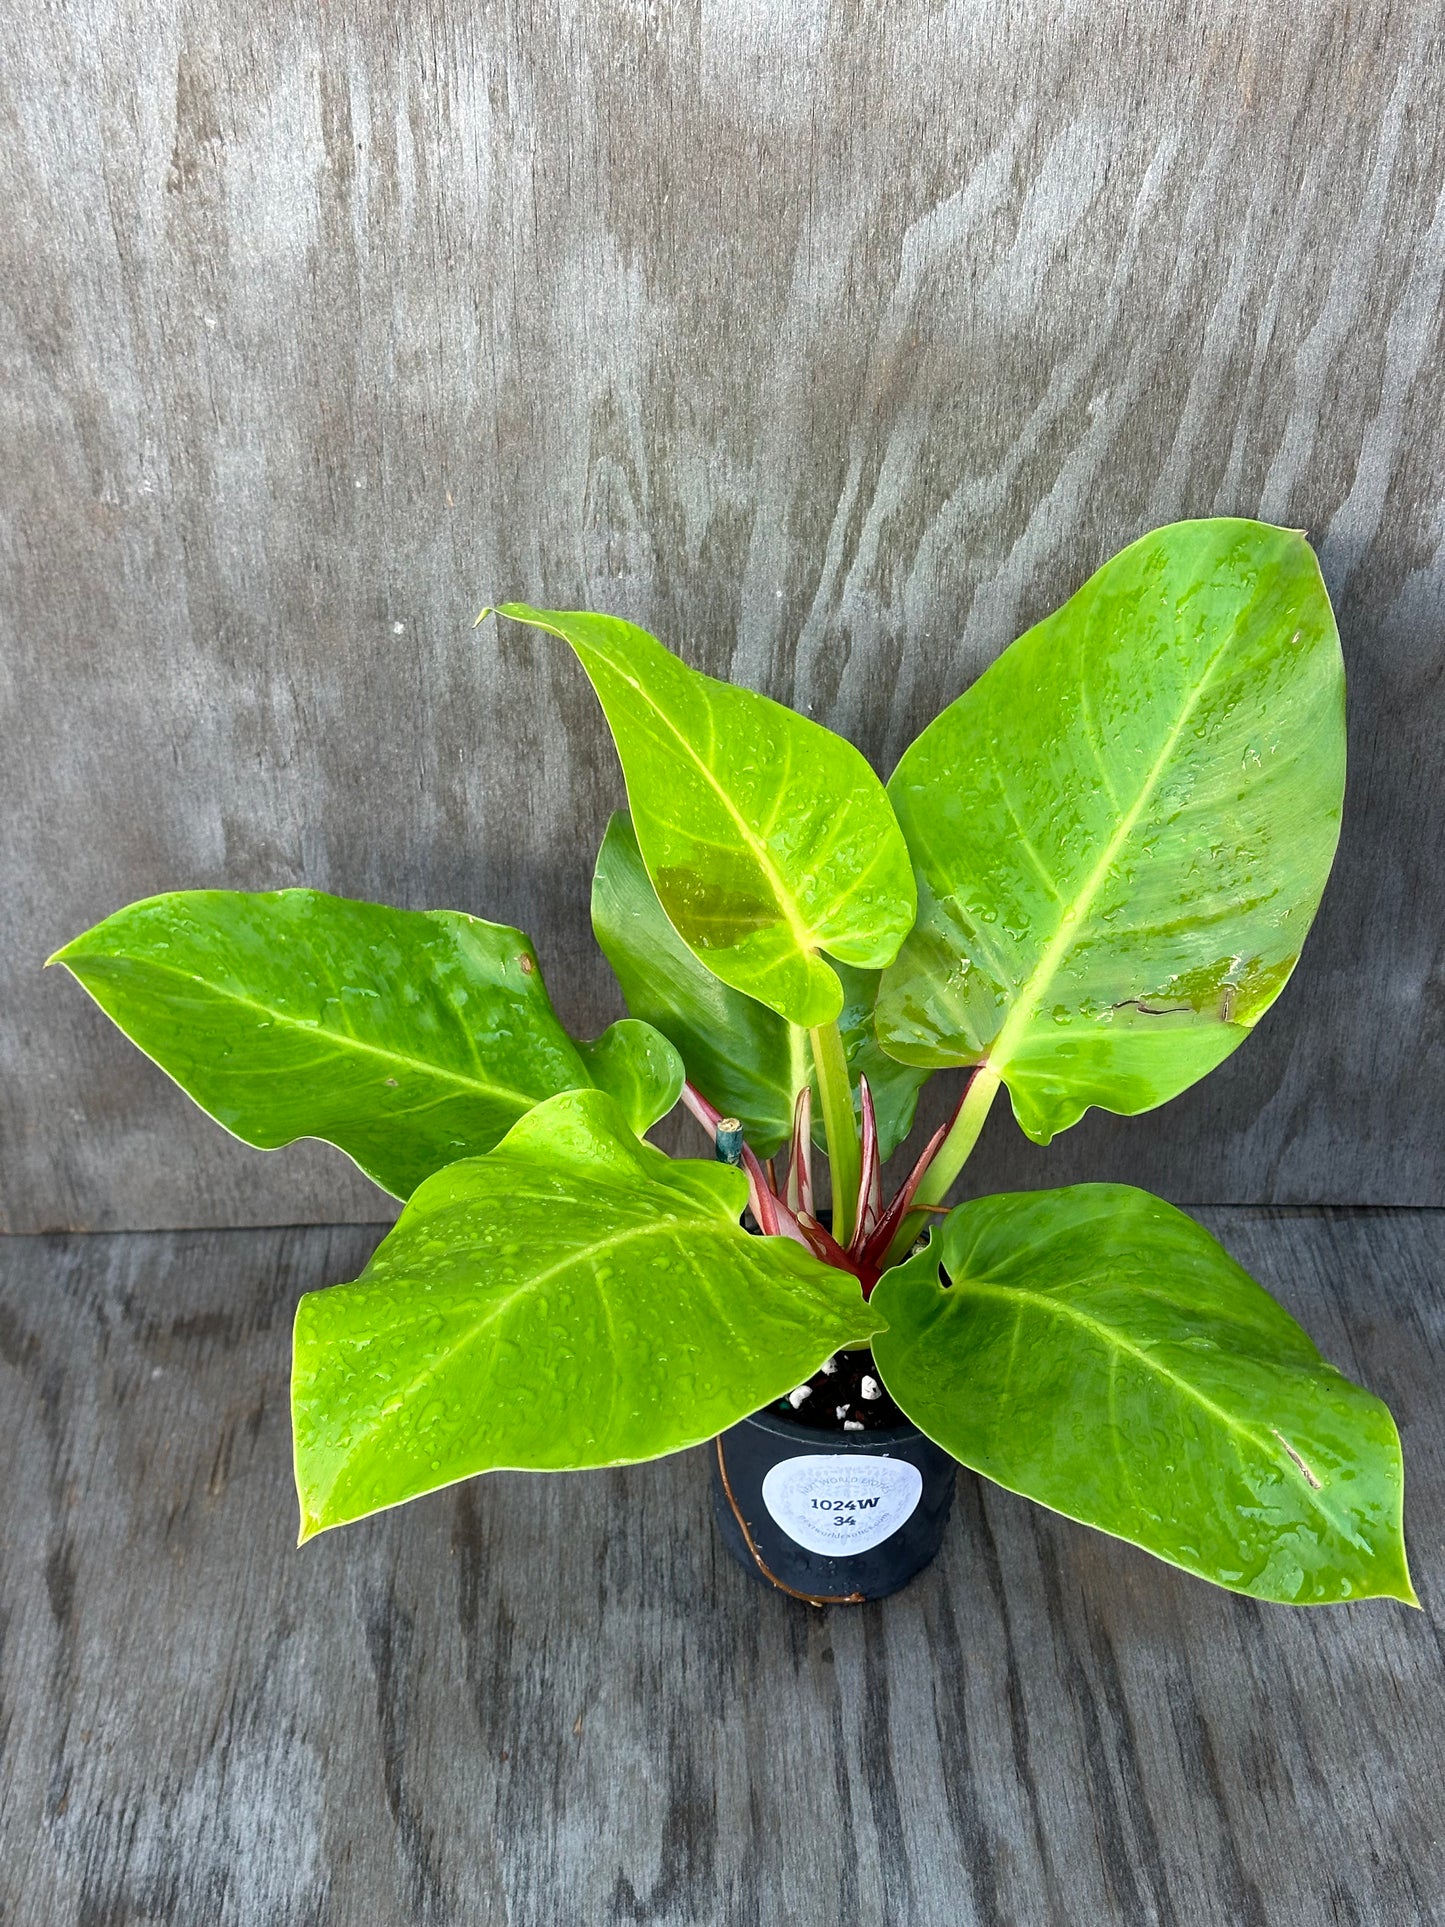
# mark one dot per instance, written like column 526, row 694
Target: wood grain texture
column 833, row 341
column 555, row 1702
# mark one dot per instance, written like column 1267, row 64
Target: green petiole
column 953, row 1154
column 839, row 1125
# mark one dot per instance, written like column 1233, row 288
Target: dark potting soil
column 836, row 1395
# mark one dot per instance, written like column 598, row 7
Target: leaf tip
column 74, row 956
column 490, row 611
column 1404, row 1589
column 309, row 1528
column 64, row 952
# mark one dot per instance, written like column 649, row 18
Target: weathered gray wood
column 834, row 342
column 555, row 1701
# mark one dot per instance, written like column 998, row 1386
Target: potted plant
column 1086, row 881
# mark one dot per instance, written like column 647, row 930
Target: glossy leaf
column 408, row 1038
column 768, row 839
column 894, row 1086
column 743, row 1057
column 1123, row 829
column 573, row 1299
column 637, row 1067
column 1096, row 1350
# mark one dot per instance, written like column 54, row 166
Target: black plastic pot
column 834, row 1518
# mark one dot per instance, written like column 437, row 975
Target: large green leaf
column 408, row 1038
column 1096, row 1350
column 573, row 1299
column 1123, row 829
column 743, row 1057
column 768, row 839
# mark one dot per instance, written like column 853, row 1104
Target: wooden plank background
column 556, row 1702
column 836, row 342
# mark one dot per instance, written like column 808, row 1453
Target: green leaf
column 407, row 1038
column 573, row 1299
column 895, row 1086
column 743, row 1057
column 637, row 1066
column 768, row 839
column 1096, row 1350
column 1123, row 829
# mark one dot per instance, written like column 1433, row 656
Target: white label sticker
column 842, row 1503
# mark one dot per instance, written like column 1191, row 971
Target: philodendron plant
column 1087, row 880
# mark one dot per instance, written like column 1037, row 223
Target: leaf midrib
column 501, row 1305
column 1035, row 986
column 343, row 1039
column 802, row 934
column 1114, row 1342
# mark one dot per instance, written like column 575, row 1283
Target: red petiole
column 788, row 1212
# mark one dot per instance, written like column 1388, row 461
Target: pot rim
column 791, row 1429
